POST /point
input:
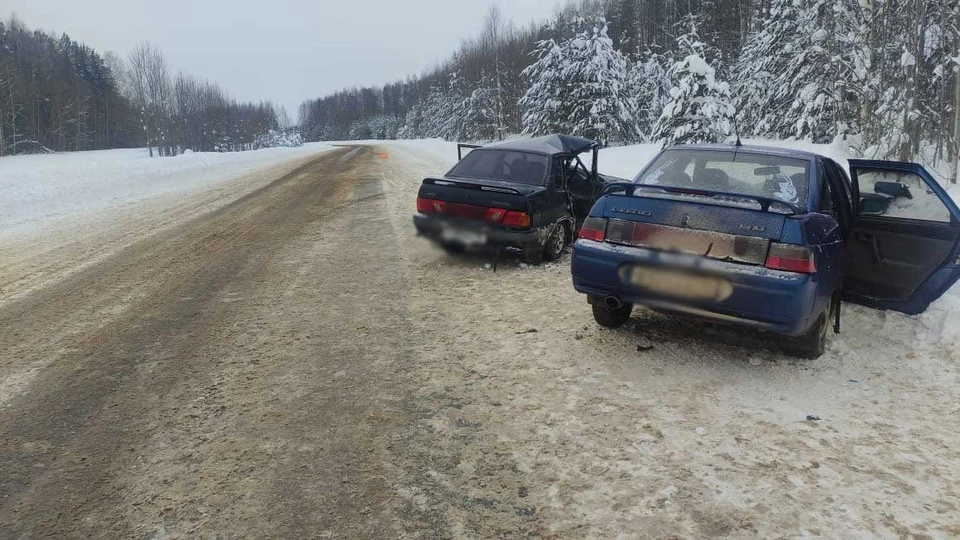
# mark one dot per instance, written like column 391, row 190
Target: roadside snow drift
column 38, row 189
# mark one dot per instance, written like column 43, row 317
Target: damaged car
column 527, row 196
column 767, row 238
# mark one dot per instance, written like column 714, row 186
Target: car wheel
column 612, row 317
column 813, row 344
column 556, row 243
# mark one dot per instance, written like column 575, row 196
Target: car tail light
column 495, row 215
column 510, row 218
column 430, row 206
column 594, row 229
column 791, row 258
column 516, row 219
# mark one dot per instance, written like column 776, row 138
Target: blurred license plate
column 465, row 237
column 680, row 284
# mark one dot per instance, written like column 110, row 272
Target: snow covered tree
column 412, row 124
column 700, row 108
column 761, row 98
column 545, row 109
column 649, row 90
column 823, row 80
column 580, row 86
column 596, row 75
column 481, row 120
column 444, row 110
column 803, row 73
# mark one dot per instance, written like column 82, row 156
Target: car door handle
column 870, row 238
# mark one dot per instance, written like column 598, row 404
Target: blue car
column 768, row 238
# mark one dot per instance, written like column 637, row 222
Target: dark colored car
column 767, row 238
column 527, row 196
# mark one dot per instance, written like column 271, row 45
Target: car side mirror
column 874, row 204
column 893, row 189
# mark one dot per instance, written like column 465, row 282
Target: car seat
column 715, row 179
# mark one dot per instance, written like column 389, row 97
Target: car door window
column 902, row 251
column 900, row 194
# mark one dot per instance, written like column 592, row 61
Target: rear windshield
column 504, row 166
column 736, row 173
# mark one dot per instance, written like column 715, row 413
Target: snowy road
column 295, row 363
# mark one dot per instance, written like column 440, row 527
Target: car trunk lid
column 720, row 231
column 478, row 193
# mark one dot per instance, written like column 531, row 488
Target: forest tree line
column 880, row 74
column 58, row 95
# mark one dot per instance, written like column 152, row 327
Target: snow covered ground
column 38, row 189
column 938, row 327
column 669, row 427
column 60, row 213
column 530, row 412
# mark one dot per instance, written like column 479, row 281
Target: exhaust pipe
column 613, row 302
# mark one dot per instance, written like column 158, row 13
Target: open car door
column 904, row 248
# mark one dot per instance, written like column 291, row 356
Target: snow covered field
column 60, row 213
column 39, row 189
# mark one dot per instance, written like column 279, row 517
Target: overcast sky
column 284, row 51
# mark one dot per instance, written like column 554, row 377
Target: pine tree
column 649, row 88
column 597, row 82
column 819, row 77
column 481, row 121
column 806, row 72
column 700, row 108
column 761, row 98
column 545, row 109
column 580, row 87
column 412, row 124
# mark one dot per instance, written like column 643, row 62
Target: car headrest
column 676, row 178
column 713, row 176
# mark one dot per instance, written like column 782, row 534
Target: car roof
column 550, row 145
column 751, row 148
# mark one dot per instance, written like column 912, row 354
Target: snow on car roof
column 550, row 145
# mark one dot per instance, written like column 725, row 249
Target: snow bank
column 627, row 161
column 438, row 148
column 39, row 189
column 622, row 161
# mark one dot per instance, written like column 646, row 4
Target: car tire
column 813, row 343
column 612, row 317
column 556, row 243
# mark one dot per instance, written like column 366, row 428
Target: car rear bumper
column 774, row 300
column 475, row 235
